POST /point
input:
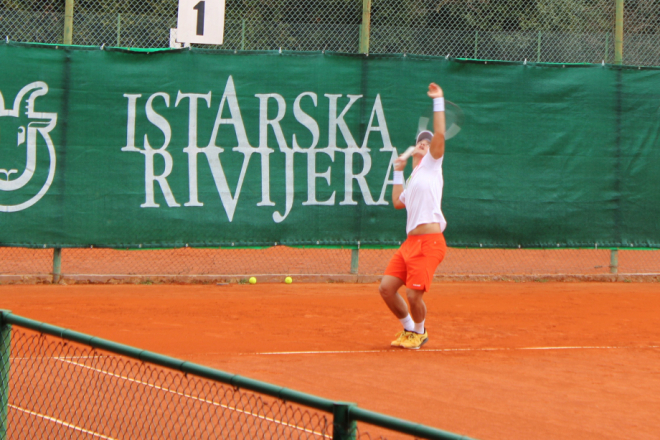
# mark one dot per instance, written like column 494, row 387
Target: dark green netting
column 549, row 154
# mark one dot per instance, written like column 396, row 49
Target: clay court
column 505, row 360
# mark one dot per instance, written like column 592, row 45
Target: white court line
column 178, row 393
column 448, row 350
column 61, row 422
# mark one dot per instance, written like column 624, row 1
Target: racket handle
column 406, row 154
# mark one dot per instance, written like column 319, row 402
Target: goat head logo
column 19, row 142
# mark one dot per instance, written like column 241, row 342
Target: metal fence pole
column 618, row 33
column 118, row 29
column 68, row 22
column 607, row 46
column 5, row 348
column 344, row 428
column 355, row 260
column 243, row 34
column 614, row 261
column 57, row 264
column 476, row 43
column 365, row 27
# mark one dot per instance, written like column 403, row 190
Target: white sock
column 408, row 323
column 419, row 327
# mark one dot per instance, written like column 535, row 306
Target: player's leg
column 389, row 291
column 417, row 308
column 394, row 277
column 419, row 336
column 421, row 267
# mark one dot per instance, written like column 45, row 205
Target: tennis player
column 416, row 260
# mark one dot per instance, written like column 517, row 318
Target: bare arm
column 437, row 148
column 399, row 165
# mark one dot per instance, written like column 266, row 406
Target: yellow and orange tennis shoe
column 400, row 337
column 415, row 340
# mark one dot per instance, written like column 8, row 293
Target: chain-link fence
column 20, row 265
column 542, row 30
column 559, row 31
column 63, row 387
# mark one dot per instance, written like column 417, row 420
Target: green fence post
column 57, row 264
column 118, row 29
column 243, row 34
column 607, row 46
column 538, row 49
column 365, row 27
column 614, row 261
column 355, row 260
column 68, row 22
column 5, row 348
column 618, row 33
column 343, row 427
column 476, row 43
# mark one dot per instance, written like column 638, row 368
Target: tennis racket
column 454, row 118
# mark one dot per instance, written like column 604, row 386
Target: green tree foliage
column 497, row 15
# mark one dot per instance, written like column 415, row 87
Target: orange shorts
column 416, row 260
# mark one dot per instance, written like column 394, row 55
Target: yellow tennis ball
column 253, row 280
column 288, row 280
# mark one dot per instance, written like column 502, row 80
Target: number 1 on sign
column 201, row 21
column 199, row 7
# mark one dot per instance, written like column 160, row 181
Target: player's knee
column 414, row 296
column 386, row 291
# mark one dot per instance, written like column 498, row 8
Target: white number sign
column 201, row 21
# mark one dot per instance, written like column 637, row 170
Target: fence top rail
column 319, row 403
column 298, row 53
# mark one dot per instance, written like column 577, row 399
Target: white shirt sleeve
column 434, row 164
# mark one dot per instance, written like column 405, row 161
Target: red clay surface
column 594, row 372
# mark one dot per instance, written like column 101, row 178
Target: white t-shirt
column 423, row 195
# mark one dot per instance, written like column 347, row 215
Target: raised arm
column 437, row 149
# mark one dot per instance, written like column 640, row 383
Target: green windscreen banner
column 145, row 149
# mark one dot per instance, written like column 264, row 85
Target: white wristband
column 438, row 104
column 398, row 178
